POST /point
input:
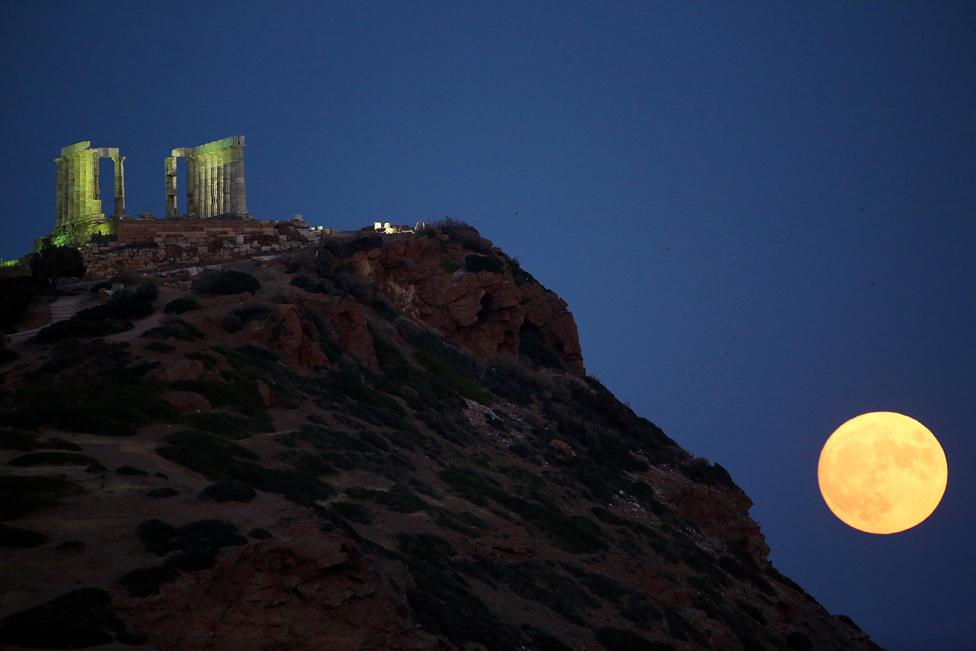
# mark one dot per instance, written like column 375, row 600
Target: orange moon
column 882, row 472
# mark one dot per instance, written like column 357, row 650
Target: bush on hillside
column 225, row 283
column 475, row 263
column 52, row 263
column 181, row 305
column 15, row 298
column 125, row 304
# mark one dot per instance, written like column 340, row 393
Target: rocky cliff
column 384, row 443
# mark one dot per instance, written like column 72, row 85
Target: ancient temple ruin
column 78, row 212
column 214, row 187
column 214, row 179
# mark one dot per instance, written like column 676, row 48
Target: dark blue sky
column 762, row 215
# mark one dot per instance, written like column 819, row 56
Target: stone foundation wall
column 146, row 246
column 131, row 231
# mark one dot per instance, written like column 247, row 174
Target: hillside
column 382, row 443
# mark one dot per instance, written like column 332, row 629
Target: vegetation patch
column 146, row 581
column 52, row 459
column 16, row 295
column 175, row 328
column 113, row 401
column 353, row 512
column 240, row 317
column 12, row 438
column 17, row 538
column 223, row 424
column 75, row 328
column 399, row 498
column 618, row 639
column 225, row 283
column 80, row 618
column 159, row 347
column 228, row 491
column 442, row 601
column 536, row 582
column 181, row 305
column 124, row 305
column 23, row 495
column 219, row 460
column 475, row 263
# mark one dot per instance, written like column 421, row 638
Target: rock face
column 312, row 592
column 475, row 296
column 403, row 429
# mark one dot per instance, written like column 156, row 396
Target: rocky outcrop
column 309, row 590
column 491, row 311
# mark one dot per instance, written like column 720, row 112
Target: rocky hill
column 384, row 443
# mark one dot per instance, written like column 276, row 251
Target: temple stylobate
column 214, row 179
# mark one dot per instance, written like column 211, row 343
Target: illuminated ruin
column 78, row 212
column 214, row 187
column 214, row 179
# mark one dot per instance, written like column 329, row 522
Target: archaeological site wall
column 152, row 245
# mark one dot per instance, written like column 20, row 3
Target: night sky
column 761, row 215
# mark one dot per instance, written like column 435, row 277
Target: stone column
column 169, row 186
column 225, row 181
column 208, row 183
column 96, row 188
column 218, row 171
column 59, row 190
column 238, row 194
column 191, row 186
column 119, row 186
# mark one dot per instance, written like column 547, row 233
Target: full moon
column 882, row 472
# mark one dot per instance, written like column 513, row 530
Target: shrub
column 181, row 305
column 441, row 600
column 618, row 639
column 80, row 618
column 225, row 283
column 245, row 314
column 537, row 582
column 80, row 328
column 309, row 285
column 52, row 263
column 177, row 329
column 17, row 538
column 125, row 305
column 163, row 492
column 228, row 491
column 475, row 263
column 114, row 403
column 15, row 297
column 399, row 498
column 51, row 459
column 226, row 425
column 146, row 581
column 129, row 470
column 12, row 438
column 343, row 248
column 220, row 459
column 23, row 495
column 533, row 347
column 354, row 512
column 159, row 347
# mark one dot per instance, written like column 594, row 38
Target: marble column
column 119, row 162
column 169, row 181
